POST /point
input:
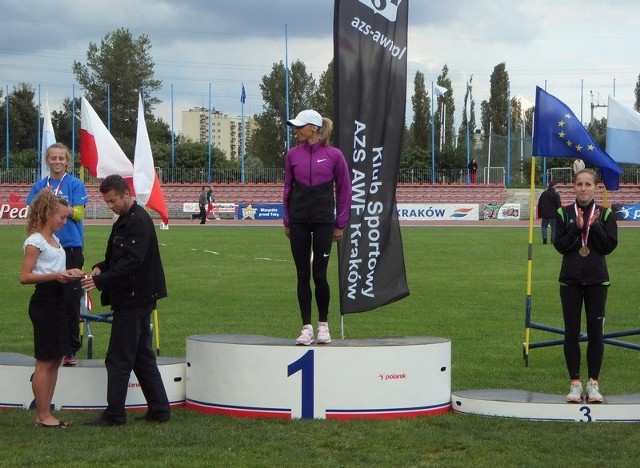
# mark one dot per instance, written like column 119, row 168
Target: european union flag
column 243, row 95
column 558, row 133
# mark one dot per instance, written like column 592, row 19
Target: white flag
column 439, row 90
column 143, row 171
column 48, row 138
column 623, row 132
column 468, row 105
column 145, row 180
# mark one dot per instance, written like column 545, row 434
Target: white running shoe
column 323, row 333
column 306, row 336
column 575, row 393
column 593, row 392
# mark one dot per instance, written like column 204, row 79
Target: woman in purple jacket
column 315, row 213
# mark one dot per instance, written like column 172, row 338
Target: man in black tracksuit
column 131, row 279
column 548, row 204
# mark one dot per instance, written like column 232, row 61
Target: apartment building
column 226, row 131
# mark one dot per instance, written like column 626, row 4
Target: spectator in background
column 586, row 234
column 473, row 170
column 314, row 214
column 210, row 201
column 71, row 234
column 44, row 265
column 202, row 205
column 548, row 205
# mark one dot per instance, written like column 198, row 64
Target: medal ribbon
column 587, row 224
column 57, row 190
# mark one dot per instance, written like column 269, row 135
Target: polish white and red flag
column 145, row 178
column 99, row 151
column 102, row 156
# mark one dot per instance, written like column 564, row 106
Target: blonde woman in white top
column 44, row 265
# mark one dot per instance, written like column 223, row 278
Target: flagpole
column 433, row 140
column 468, row 117
column 173, row 141
column 527, row 313
column 286, row 83
column 442, row 129
column 73, row 131
column 209, row 145
column 544, row 160
column 508, row 136
column 6, row 141
column 39, row 133
column 242, row 135
column 489, row 155
column 522, row 150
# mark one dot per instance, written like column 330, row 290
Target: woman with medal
column 586, row 233
column 71, row 235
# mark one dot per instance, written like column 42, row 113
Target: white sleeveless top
column 51, row 259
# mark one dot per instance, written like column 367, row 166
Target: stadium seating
column 176, row 194
column 451, row 193
column 628, row 194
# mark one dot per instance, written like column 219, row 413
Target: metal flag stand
column 87, row 318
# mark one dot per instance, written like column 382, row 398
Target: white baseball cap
column 306, row 117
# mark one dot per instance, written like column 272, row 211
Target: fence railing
column 564, row 175
column 492, row 175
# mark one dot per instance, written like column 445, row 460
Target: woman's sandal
column 60, row 425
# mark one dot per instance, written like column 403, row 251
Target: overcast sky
column 226, row 42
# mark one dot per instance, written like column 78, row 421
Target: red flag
column 145, row 178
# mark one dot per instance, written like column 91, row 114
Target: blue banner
column 626, row 212
column 261, row 212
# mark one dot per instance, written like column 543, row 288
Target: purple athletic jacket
column 315, row 165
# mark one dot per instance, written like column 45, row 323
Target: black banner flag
column 370, row 42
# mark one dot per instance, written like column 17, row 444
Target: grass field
column 467, row 284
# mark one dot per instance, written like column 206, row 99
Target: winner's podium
column 84, row 386
column 260, row 376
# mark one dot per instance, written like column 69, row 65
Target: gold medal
column 584, row 251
